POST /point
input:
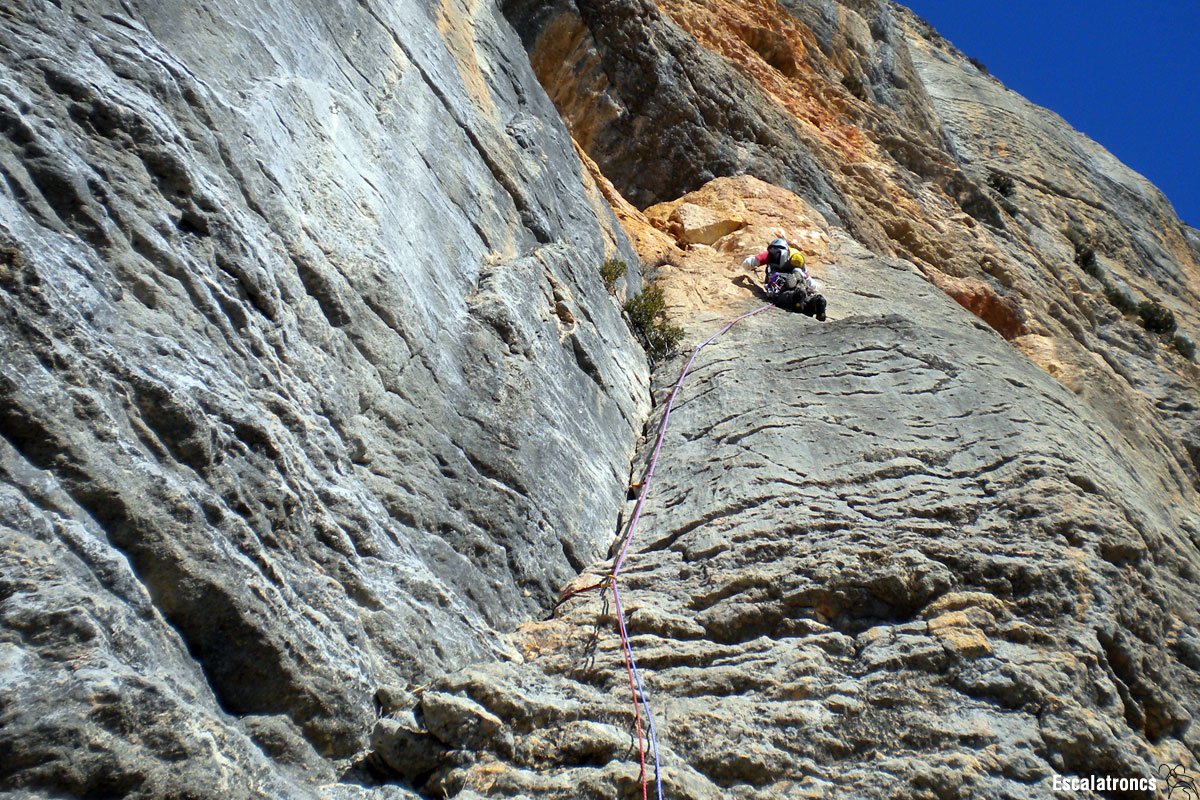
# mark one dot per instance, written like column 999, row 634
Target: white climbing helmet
column 777, row 253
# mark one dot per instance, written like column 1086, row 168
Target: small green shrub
column 1184, row 346
column 11, row 257
column 1121, row 299
column 1155, row 318
column 1087, row 261
column 855, row 86
column 1002, row 183
column 611, row 271
column 1085, row 251
column 979, row 65
column 670, row 258
column 648, row 318
column 12, row 267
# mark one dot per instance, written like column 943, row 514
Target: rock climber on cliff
column 787, row 282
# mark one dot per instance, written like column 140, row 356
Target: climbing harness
column 637, row 690
column 774, row 284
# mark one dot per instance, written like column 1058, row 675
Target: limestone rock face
column 309, row 383
column 883, row 556
column 660, row 114
column 944, row 545
column 691, row 224
column 918, row 154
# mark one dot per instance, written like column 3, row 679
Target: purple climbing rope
column 635, row 678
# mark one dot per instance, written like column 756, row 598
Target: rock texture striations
column 311, row 394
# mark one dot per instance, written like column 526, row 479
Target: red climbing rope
column 640, row 701
column 567, row 595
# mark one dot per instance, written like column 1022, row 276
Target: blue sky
column 1126, row 74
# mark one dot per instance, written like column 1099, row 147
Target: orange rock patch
column 1002, row 314
column 772, row 49
column 706, row 277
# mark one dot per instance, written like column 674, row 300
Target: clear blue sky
column 1126, row 74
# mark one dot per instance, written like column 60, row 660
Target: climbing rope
column 662, row 432
column 640, row 700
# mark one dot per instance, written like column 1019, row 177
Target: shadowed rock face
column 659, row 113
column 309, row 383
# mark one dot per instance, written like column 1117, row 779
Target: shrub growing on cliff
column 668, row 259
column 1085, row 251
column 12, row 267
column 1155, row 318
column 611, row 271
column 855, row 86
column 1120, row 298
column 648, row 318
column 1002, row 183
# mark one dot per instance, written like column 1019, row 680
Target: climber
column 787, row 282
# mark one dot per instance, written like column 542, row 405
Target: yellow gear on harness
column 796, row 259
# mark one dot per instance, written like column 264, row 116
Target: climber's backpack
column 792, row 290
